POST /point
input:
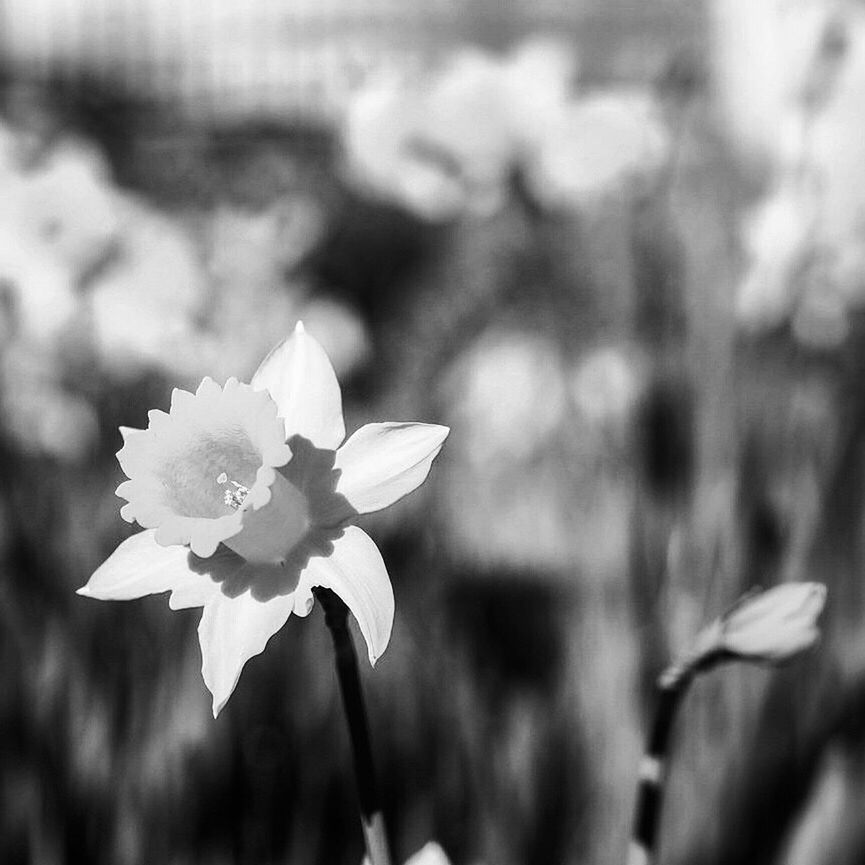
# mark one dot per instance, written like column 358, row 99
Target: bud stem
column 670, row 688
column 372, row 822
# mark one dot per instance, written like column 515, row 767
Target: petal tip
column 819, row 591
column 127, row 432
column 299, row 328
column 378, row 643
column 443, row 431
column 218, row 693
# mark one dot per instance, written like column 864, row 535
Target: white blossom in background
column 805, row 238
column 447, row 140
column 247, row 496
column 43, row 416
column 509, row 395
column 90, row 274
column 64, row 201
column 381, row 153
column 246, row 303
column 540, row 77
column 778, row 235
column 523, row 409
column 763, row 59
column 69, row 202
column 143, row 305
column 605, row 385
column 58, row 218
column 837, row 142
column 506, row 394
column 465, row 123
column 58, row 221
column 484, row 114
column 187, row 298
column 39, row 291
column 596, row 143
column 251, row 301
column 260, row 245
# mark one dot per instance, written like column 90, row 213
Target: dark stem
column 670, row 689
column 336, row 619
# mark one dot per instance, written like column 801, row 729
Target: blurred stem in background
column 372, row 821
column 671, row 687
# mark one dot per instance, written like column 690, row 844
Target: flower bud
column 775, row 625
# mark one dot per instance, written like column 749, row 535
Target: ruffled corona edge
column 199, row 468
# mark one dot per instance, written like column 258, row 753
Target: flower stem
column 336, row 619
column 670, row 688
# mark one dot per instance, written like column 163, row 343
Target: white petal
column 382, row 462
column 430, row 854
column 787, row 601
column 355, row 570
column 774, row 625
column 140, row 566
column 233, row 630
column 300, row 378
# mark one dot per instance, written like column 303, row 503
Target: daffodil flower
column 247, row 493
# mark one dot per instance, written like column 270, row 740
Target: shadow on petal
column 311, row 470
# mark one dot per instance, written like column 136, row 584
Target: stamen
column 233, row 498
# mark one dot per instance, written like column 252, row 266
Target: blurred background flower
column 451, row 139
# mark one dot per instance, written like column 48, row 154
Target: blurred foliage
column 633, row 445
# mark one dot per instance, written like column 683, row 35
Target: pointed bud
column 775, row 625
column 764, row 627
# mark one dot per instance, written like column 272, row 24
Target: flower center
column 198, row 473
column 233, row 498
